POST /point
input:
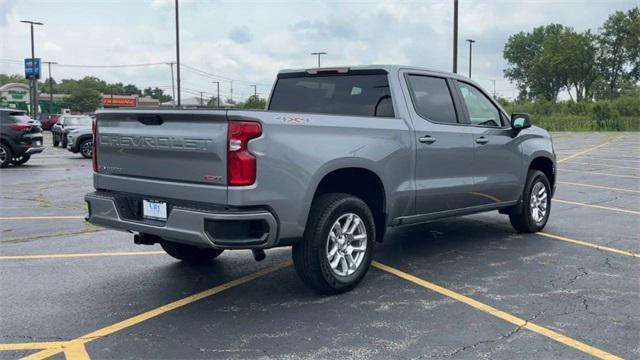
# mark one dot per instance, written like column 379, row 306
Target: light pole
column 34, row 81
column 471, row 41
column 494, row 88
column 455, row 36
column 255, row 91
column 173, row 88
column 318, row 54
column 49, row 63
column 218, row 91
column 178, row 51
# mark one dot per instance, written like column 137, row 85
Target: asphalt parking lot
column 461, row 288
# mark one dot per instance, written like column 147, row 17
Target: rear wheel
column 337, row 247
column 536, row 204
column 21, row 160
column 5, row 155
column 190, row 254
column 86, row 148
column 56, row 142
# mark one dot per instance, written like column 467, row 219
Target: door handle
column 482, row 140
column 427, row 139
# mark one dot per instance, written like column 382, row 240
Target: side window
column 481, row 109
column 432, row 98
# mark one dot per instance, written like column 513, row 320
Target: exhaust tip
column 258, row 254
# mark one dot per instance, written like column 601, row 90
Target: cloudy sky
column 248, row 41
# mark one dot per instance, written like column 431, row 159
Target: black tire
column 310, row 256
column 63, row 143
column 56, row 142
column 6, row 155
column 86, row 148
column 523, row 219
column 21, row 160
column 190, row 254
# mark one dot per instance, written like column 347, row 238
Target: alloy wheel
column 346, row 244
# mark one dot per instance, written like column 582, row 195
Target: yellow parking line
column 33, row 346
column 597, row 206
column 121, row 325
column 587, row 349
column 600, row 173
column 606, row 165
column 587, row 150
column 77, row 255
column 598, row 187
column 73, row 217
column 608, row 159
column 573, row 241
column 591, row 245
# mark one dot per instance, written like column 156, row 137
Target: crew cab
column 339, row 156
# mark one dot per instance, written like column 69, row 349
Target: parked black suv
column 20, row 137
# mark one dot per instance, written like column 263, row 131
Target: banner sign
column 29, row 69
column 118, row 101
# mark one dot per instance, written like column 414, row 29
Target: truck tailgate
column 176, row 146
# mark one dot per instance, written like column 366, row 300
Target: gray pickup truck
column 339, row 156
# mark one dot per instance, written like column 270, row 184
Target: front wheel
column 337, row 248
column 86, row 148
column 536, row 204
column 21, row 160
column 56, row 142
column 190, row 254
column 5, row 155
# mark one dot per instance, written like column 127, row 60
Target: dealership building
column 16, row 96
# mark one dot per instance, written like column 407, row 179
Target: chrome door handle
column 427, row 139
column 482, row 140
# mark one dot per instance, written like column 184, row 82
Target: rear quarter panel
column 296, row 151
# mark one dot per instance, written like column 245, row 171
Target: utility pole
column 34, row 81
column 319, row 54
column 201, row 100
column 255, row 91
column 173, row 89
column 455, row 36
column 471, row 41
column 178, row 51
column 218, row 91
column 494, row 89
column 49, row 63
column 231, row 90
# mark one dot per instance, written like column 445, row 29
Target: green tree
column 535, row 72
column 619, row 51
column 156, row 93
column 254, row 102
column 12, row 78
column 213, row 102
column 83, row 101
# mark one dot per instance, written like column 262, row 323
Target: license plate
column 156, row 210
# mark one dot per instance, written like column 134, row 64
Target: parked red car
column 47, row 120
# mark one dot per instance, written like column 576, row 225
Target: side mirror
column 520, row 121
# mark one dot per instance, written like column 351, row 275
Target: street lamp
column 178, row 50
column 218, row 88
column 319, row 54
column 49, row 63
column 471, row 41
column 34, row 82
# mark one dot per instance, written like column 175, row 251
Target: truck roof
column 389, row 68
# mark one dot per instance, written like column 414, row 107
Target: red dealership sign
column 119, row 101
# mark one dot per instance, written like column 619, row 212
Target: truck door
column 444, row 146
column 497, row 162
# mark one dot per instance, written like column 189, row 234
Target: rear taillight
column 20, row 126
column 241, row 164
column 94, row 154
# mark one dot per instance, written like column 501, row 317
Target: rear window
column 352, row 94
column 17, row 117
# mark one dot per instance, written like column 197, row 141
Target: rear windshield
column 360, row 95
column 77, row 120
column 19, row 117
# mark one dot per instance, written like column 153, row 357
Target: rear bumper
column 225, row 229
column 34, row 150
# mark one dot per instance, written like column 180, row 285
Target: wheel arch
column 357, row 180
